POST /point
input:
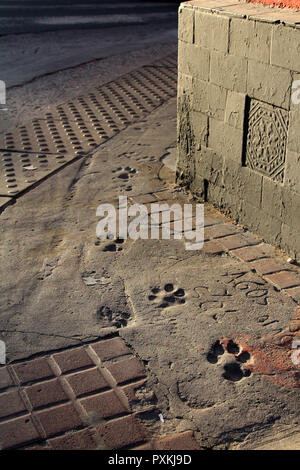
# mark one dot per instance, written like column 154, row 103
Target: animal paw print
column 236, row 363
column 146, row 158
column 113, row 245
column 167, row 296
column 124, row 173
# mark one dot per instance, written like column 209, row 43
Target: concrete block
column 292, row 171
column 243, row 183
column 269, row 226
column 211, row 31
column 235, row 109
column 269, row 83
column 285, row 49
column 228, row 71
column 225, row 140
column 185, row 84
column 203, row 163
column 250, row 39
column 186, row 25
column 209, row 99
column 200, row 128
column 272, row 198
column 290, row 241
column 293, row 143
column 193, row 60
column 290, row 215
column 216, row 135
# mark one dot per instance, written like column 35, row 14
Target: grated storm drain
column 36, row 149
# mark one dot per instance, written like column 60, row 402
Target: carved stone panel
column 266, row 139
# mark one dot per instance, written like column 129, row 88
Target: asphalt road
column 34, row 16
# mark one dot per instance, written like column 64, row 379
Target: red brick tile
column 17, row 432
column 283, row 279
column 73, row 359
column 80, row 440
column 33, row 370
column 266, row 266
column 87, row 381
column 237, row 241
column 126, row 370
column 181, row 441
column 294, row 293
column 5, row 378
column 110, row 348
column 122, row 432
column 11, row 404
column 103, row 405
column 250, row 253
column 212, row 248
column 221, row 230
column 59, row 419
column 46, row 393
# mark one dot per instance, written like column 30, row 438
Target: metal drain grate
column 37, row 148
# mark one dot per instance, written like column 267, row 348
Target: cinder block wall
column 238, row 121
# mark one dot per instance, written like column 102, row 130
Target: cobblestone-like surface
column 78, row 399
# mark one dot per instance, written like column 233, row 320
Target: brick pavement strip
column 72, row 400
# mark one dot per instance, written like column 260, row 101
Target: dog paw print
column 124, row 173
column 168, row 296
column 236, row 362
column 112, row 245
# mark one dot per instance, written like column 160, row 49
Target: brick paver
column 250, row 253
column 237, row 241
column 5, row 379
column 73, row 360
column 78, row 399
column 283, row 279
column 80, row 440
column 266, row 266
column 33, row 370
column 221, row 230
column 104, row 405
column 11, row 403
column 127, row 369
column 122, row 432
column 212, row 248
column 294, row 293
column 111, row 348
column 87, row 381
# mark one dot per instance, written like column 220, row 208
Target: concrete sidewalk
column 183, row 349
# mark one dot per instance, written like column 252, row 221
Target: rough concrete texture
column 238, row 117
column 64, row 287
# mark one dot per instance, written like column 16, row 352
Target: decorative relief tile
column 266, row 139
